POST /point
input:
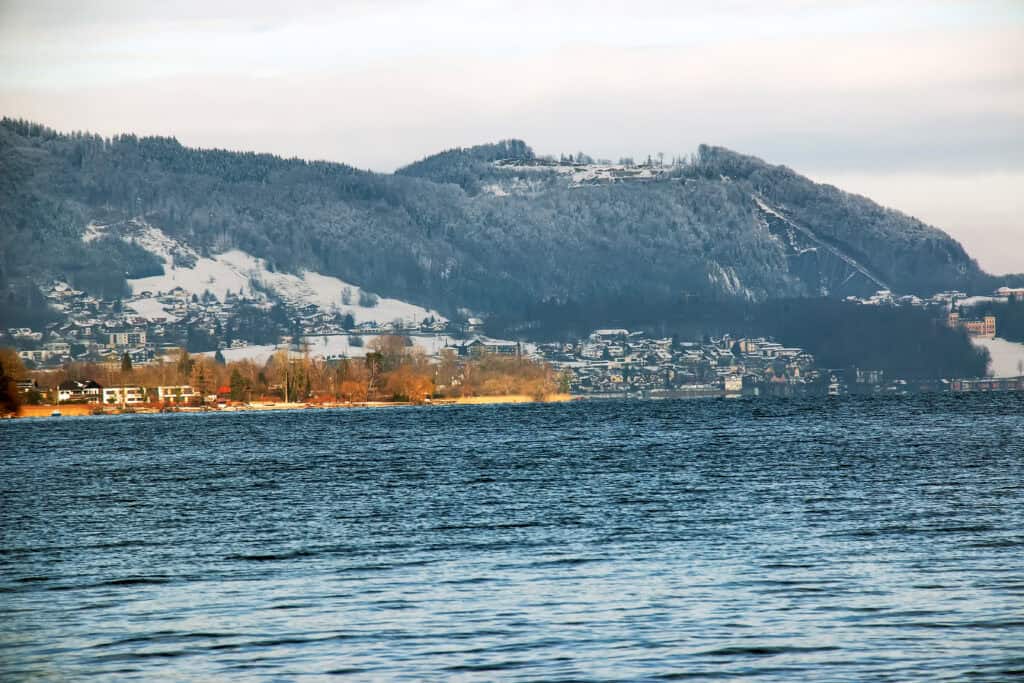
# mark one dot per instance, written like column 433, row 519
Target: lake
column 774, row 540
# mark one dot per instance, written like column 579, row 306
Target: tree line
column 392, row 370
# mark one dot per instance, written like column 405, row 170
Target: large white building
column 126, row 338
column 124, row 395
column 176, row 394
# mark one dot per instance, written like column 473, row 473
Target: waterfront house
column 79, row 391
column 26, row 386
column 176, row 394
column 123, row 396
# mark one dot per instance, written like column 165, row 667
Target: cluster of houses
column 610, row 362
column 617, row 362
column 948, row 300
column 89, row 329
column 148, row 326
column 955, row 304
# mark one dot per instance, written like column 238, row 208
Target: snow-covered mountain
column 495, row 229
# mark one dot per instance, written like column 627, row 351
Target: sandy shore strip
column 70, row 410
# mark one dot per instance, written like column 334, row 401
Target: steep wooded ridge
column 492, row 228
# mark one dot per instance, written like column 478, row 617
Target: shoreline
column 95, row 410
column 955, row 387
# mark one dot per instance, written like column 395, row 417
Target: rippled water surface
column 878, row 539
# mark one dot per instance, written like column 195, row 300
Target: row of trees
column 392, row 370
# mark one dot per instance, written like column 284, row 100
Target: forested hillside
column 493, row 228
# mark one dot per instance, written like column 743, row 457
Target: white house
column 176, row 394
column 124, row 395
column 75, row 391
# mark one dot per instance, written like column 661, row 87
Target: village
column 147, row 330
column 953, row 304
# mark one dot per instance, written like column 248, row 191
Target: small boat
column 55, row 413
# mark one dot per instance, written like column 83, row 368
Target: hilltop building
column 1011, row 293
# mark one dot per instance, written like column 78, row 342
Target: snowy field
column 332, row 346
column 1005, row 356
column 241, row 273
column 339, row 345
column 151, row 309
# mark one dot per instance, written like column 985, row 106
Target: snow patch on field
column 241, row 273
column 340, row 345
column 151, row 309
column 975, row 300
column 1004, row 356
column 257, row 353
column 206, row 275
column 495, row 189
column 579, row 175
column 322, row 291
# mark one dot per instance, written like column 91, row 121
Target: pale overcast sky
column 919, row 105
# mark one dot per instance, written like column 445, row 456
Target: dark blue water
column 878, row 539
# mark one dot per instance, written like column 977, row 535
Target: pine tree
column 219, row 358
column 239, row 386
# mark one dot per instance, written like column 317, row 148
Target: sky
column 918, row 105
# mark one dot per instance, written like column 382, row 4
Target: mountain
column 493, row 229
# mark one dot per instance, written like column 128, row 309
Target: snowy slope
column 241, row 273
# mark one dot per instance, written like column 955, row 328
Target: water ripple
column 779, row 540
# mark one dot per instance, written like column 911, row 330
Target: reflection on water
column 774, row 540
